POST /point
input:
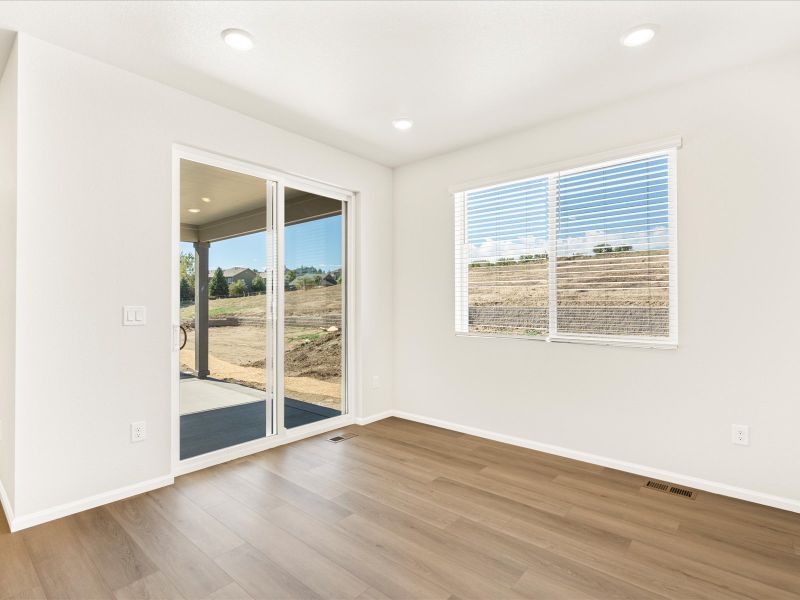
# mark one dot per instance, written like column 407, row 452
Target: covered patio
column 218, row 414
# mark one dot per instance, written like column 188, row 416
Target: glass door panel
column 314, row 299
column 225, row 359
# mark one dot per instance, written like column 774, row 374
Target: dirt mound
column 318, row 356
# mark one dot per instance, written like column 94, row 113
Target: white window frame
column 553, row 172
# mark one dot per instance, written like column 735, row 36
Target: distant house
column 328, row 280
column 237, row 274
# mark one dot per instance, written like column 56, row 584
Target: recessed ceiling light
column 638, row 36
column 194, row 210
column 205, row 199
column 403, row 124
column 238, row 39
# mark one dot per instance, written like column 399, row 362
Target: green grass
column 222, row 307
column 317, row 301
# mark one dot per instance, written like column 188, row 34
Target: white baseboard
column 376, row 417
column 5, row 501
column 715, row 487
column 19, row 522
column 50, row 514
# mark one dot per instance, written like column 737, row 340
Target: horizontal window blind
column 585, row 253
column 505, row 250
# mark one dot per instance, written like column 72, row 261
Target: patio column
column 201, row 309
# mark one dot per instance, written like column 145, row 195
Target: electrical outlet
column 138, row 431
column 740, row 435
column 376, row 381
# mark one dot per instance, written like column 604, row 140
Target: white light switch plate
column 134, row 315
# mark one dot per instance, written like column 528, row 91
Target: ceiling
column 217, row 203
column 229, row 193
column 339, row 72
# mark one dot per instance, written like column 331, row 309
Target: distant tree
column 238, row 288
column 258, row 284
column 187, row 275
column 528, row 258
column 289, row 275
column 303, row 270
column 603, row 248
column 218, row 286
column 187, row 265
column 187, row 289
column 307, row 280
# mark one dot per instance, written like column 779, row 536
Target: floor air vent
column 668, row 488
column 657, row 485
column 340, row 438
column 682, row 492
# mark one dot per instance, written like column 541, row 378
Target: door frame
column 351, row 401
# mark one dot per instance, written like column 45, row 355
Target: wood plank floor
column 405, row 510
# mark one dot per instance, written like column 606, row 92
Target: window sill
column 588, row 340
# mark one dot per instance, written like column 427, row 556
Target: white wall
column 8, row 257
column 739, row 212
column 94, row 234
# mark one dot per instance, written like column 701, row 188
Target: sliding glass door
column 262, row 322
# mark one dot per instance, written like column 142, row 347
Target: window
column 586, row 254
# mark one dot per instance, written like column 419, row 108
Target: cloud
column 490, row 249
column 652, row 239
column 582, row 243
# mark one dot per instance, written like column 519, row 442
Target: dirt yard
column 313, row 361
column 617, row 289
column 617, row 278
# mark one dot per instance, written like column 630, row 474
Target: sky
column 312, row 244
column 622, row 204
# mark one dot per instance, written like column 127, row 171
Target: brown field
column 599, row 294
column 237, row 352
column 311, row 303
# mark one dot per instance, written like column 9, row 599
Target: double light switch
column 134, row 315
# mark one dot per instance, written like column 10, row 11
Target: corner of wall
column 9, row 106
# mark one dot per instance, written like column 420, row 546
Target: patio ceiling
column 236, row 204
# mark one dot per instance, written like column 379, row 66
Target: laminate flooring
column 405, row 510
